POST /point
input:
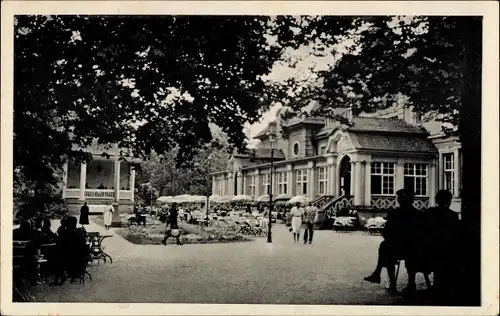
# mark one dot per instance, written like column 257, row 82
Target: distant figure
column 108, row 215
column 172, row 226
column 101, row 186
column 310, row 217
column 401, row 235
column 84, row 214
column 442, row 231
column 296, row 213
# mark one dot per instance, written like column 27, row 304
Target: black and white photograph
column 256, row 158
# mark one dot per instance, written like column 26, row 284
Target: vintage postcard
column 249, row 158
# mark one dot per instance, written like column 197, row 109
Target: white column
column 239, row 184
column 117, row 179
column 432, row 183
column 399, row 176
column 65, row 179
column 353, row 177
column 440, row 173
column 132, row 182
column 331, row 169
column 244, row 184
column 290, row 181
column 457, row 174
column 257, row 184
column 358, row 183
column 311, row 181
column 230, row 184
column 368, row 184
column 83, row 180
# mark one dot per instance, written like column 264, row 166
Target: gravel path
column 330, row 271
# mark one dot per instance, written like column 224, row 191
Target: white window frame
column 252, row 186
column 282, row 182
column 384, row 177
column 322, row 180
column 301, row 181
column 266, row 183
column 449, row 171
column 410, row 171
column 298, row 149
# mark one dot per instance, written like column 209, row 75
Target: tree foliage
column 423, row 59
column 170, row 180
column 148, row 83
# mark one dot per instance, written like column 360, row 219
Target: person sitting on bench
column 400, row 236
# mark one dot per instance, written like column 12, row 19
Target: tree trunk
column 470, row 137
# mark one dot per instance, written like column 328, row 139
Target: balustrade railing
column 322, row 201
column 381, row 202
column 98, row 194
column 337, row 204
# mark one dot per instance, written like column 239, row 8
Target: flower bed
column 154, row 232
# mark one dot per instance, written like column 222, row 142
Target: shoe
column 407, row 291
column 373, row 278
column 392, row 289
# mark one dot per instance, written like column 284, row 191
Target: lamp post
column 270, row 192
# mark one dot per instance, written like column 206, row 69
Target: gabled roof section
column 389, row 125
column 416, row 143
column 261, row 153
column 269, row 129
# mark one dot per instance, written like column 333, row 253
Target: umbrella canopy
column 283, row 197
column 242, row 198
column 299, row 199
column 263, row 198
column 220, row 199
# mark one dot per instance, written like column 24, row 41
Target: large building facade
column 358, row 162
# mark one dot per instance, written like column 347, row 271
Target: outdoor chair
column 425, row 273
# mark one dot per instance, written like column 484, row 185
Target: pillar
column 432, row 183
column 230, row 184
column 331, row 176
column 458, row 180
column 257, row 184
column 359, row 174
column 290, row 180
column 239, row 183
column 65, row 179
column 440, row 172
column 244, row 184
column 353, row 178
column 399, row 181
column 368, row 184
column 132, row 182
column 117, row 179
column 83, row 180
column 311, row 181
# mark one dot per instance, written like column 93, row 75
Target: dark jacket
column 84, row 215
column 403, row 228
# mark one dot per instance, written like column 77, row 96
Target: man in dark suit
column 401, row 234
column 442, row 243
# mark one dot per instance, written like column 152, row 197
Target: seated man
column 442, row 231
column 400, row 236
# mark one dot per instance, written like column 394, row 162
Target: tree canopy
column 144, row 82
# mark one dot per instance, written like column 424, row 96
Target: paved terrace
column 330, row 271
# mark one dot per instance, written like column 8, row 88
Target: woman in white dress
column 296, row 213
column 108, row 215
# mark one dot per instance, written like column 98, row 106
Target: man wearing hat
column 401, row 233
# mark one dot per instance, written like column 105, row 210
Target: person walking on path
column 108, row 215
column 84, row 214
column 297, row 212
column 310, row 217
column 173, row 226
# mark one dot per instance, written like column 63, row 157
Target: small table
column 96, row 250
